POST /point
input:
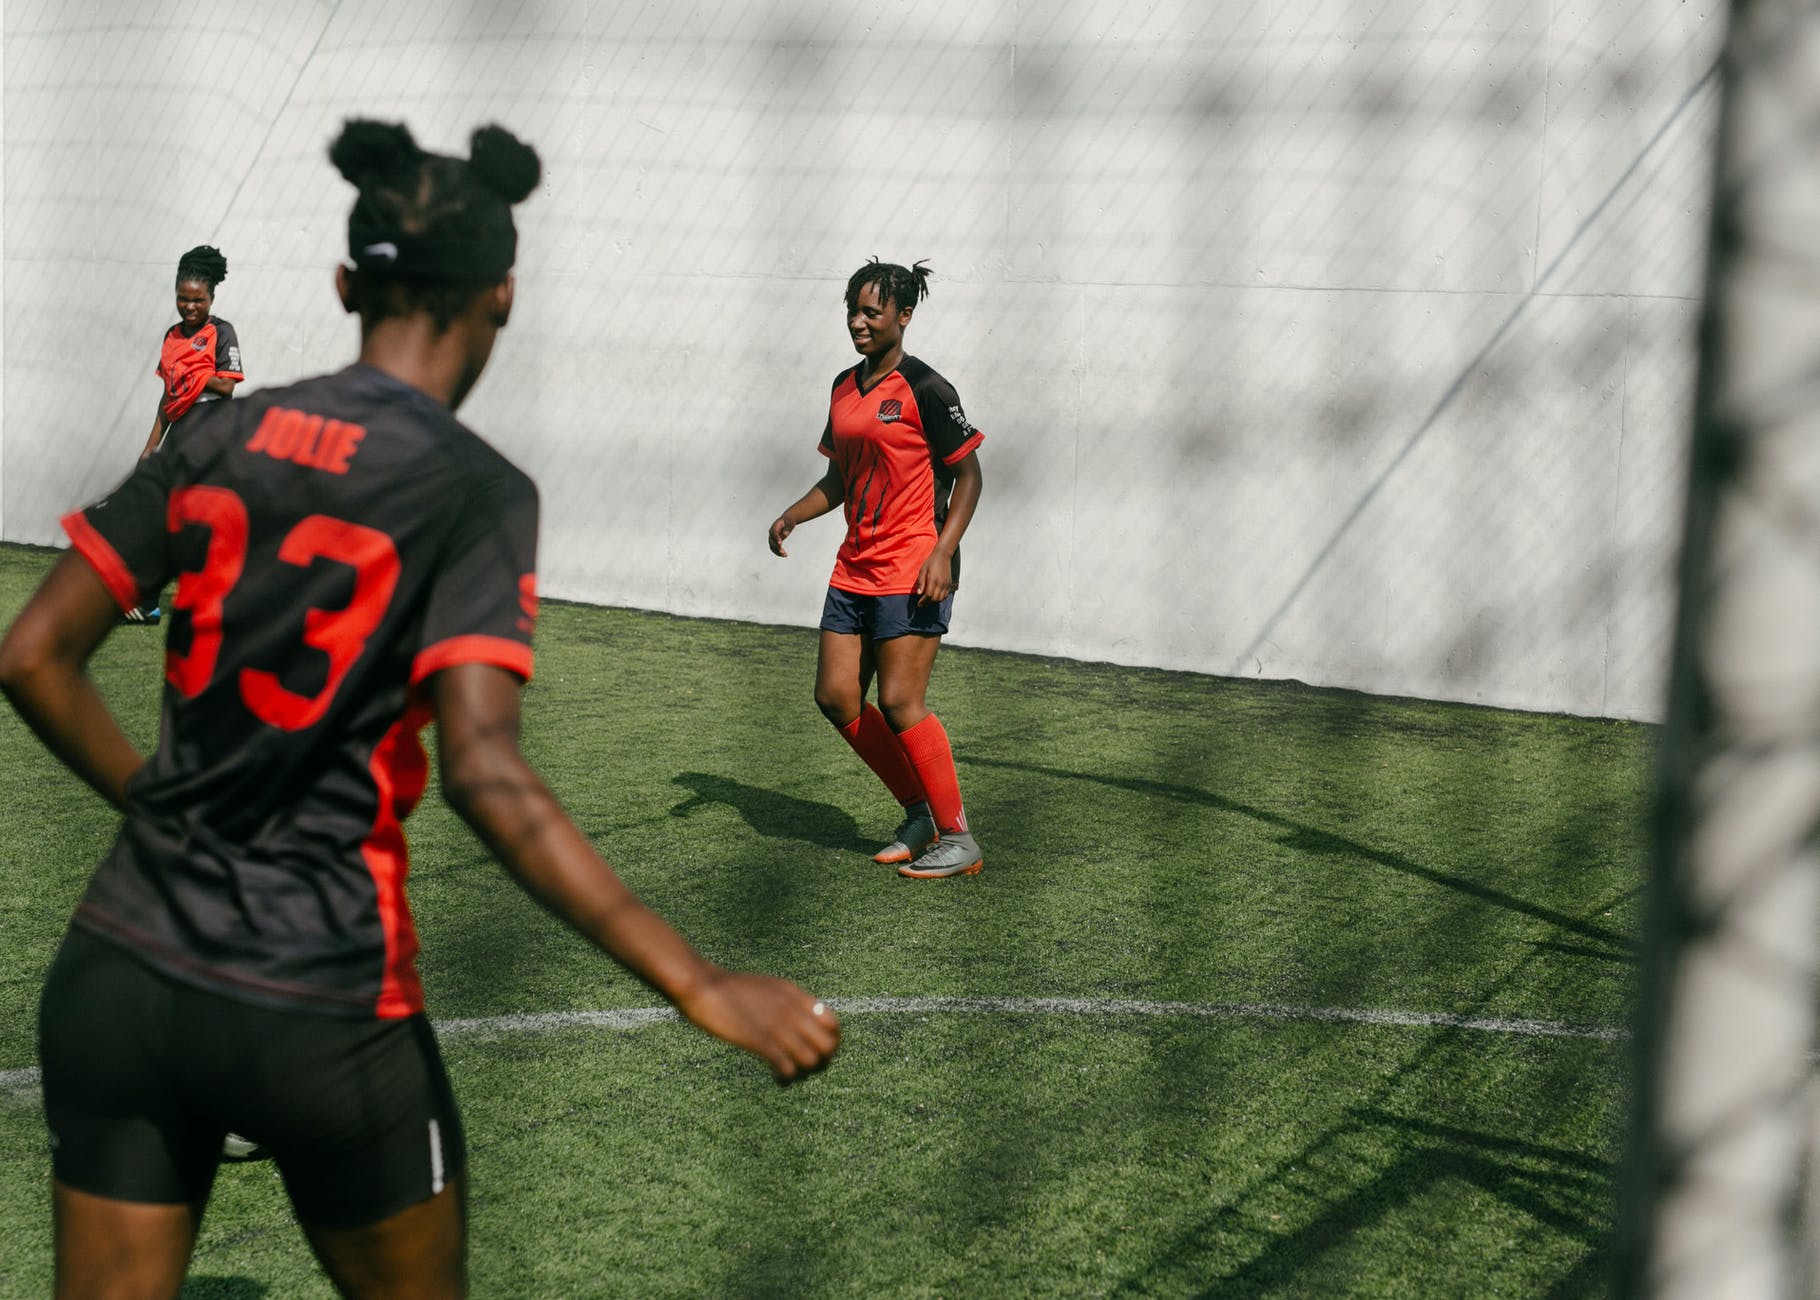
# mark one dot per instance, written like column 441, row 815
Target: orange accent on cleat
column 955, row 854
column 942, row 873
column 916, row 835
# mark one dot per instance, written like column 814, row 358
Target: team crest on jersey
column 890, row 411
column 198, row 343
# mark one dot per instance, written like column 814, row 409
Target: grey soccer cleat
column 910, row 839
column 238, row 1150
column 955, row 854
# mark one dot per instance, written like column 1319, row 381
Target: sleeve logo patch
column 890, row 411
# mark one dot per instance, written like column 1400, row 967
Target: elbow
column 465, row 786
column 479, row 780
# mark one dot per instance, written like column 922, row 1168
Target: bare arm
column 496, row 792
column 158, row 428
column 42, row 671
column 216, row 383
column 936, row 578
column 826, row 495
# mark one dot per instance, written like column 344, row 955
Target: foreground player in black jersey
column 351, row 562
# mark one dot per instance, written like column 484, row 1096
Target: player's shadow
column 775, row 816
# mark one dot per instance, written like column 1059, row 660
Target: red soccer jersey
column 186, row 362
column 896, row 444
column 334, row 543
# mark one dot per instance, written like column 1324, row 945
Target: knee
column 903, row 710
column 839, row 705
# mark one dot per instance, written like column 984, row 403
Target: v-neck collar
column 863, row 389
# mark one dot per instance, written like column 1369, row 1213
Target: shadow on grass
column 1564, row 1190
column 1375, row 1170
column 223, row 1288
column 1316, row 842
column 775, row 816
column 1369, row 1172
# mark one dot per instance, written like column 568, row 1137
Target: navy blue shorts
column 143, row 1075
column 883, row 617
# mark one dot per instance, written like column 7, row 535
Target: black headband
column 383, row 249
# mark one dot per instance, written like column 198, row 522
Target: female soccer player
column 200, row 357
column 198, row 362
column 904, row 462
column 351, row 562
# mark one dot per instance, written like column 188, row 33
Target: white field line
column 548, row 1022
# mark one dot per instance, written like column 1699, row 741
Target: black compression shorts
column 144, row 1075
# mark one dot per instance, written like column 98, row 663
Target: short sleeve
column 951, row 437
column 826, row 446
column 482, row 605
column 123, row 535
column 227, row 351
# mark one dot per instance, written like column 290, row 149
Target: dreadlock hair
column 902, row 286
column 429, row 231
column 202, row 263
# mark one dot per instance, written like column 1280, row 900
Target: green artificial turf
column 1149, row 837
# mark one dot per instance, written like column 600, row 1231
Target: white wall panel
column 1335, row 341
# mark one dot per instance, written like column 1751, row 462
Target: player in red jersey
column 903, row 461
column 351, row 562
column 199, row 360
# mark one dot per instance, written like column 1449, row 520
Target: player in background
column 199, row 360
column 903, row 461
column 351, row 563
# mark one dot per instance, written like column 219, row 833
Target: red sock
column 927, row 745
column 874, row 741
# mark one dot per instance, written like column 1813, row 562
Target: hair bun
column 366, row 148
column 504, row 163
column 203, row 262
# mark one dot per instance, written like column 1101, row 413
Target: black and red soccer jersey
column 186, row 362
column 334, row 543
column 896, row 444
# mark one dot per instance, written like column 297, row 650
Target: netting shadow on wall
column 1337, row 342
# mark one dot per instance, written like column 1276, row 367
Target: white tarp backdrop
column 1341, row 341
